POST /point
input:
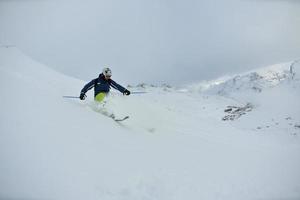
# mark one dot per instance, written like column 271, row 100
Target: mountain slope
column 255, row 80
column 271, row 94
column 174, row 146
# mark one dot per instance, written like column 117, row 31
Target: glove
column 126, row 92
column 82, row 96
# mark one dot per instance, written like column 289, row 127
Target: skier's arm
column 88, row 86
column 117, row 86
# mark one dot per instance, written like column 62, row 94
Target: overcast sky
column 153, row 41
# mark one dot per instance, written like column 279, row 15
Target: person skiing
column 102, row 86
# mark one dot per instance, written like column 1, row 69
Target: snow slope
column 174, row 146
column 255, row 80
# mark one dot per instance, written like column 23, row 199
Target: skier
column 102, row 86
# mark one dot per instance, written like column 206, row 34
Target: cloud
column 284, row 1
column 153, row 41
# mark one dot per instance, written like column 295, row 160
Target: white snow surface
column 174, row 146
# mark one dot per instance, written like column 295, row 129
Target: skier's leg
column 100, row 97
column 100, row 100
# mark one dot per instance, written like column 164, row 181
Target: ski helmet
column 106, row 71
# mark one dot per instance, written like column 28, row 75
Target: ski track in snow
column 175, row 144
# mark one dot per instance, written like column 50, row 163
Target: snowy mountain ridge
column 254, row 80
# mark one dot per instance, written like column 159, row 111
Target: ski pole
column 138, row 92
column 71, row 97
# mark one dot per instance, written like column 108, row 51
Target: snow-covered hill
column 174, row 146
column 255, row 80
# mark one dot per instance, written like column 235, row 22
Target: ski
column 121, row 119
